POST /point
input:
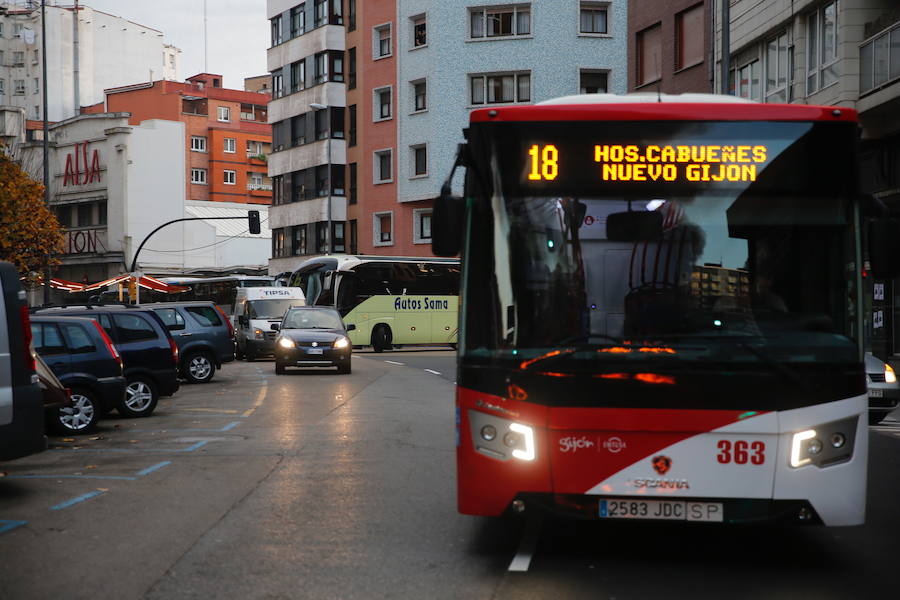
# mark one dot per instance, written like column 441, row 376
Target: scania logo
column 662, row 464
column 573, row 444
column 615, row 444
column 672, row 484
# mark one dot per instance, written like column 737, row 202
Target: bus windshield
column 751, row 266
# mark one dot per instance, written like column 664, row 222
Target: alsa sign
column 79, row 170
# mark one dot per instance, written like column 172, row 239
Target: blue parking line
column 76, row 500
column 123, row 477
column 155, row 467
column 196, row 446
column 10, row 525
column 230, row 426
column 127, row 450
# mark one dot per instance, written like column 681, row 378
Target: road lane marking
column 433, row 372
column 155, row 467
column 6, row 525
column 225, row 411
column 230, row 426
column 522, row 560
column 259, row 400
column 77, row 499
column 119, row 477
column 394, row 362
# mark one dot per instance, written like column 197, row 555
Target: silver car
column 884, row 390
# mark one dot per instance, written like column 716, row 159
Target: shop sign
column 79, row 170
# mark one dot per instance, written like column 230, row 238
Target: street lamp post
column 317, row 107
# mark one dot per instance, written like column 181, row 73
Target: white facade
column 112, row 52
column 113, row 183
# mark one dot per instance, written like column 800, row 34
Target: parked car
column 83, row 357
column 56, row 396
column 21, row 409
column 149, row 354
column 884, row 390
column 204, row 335
column 312, row 336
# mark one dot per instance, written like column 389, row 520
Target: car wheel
column 381, row 338
column 81, row 417
column 344, row 369
column 279, row 368
column 140, row 398
column 199, row 368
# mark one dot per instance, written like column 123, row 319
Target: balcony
column 259, row 187
column 879, row 60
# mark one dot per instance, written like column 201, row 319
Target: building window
column 298, row 20
column 351, row 68
column 500, row 88
column 278, row 249
column 18, row 87
column 230, row 145
column 351, row 133
column 419, row 96
column 320, row 62
column 277, row 190
column 320, row 121
column 198, row 176
column 298, row 76
column 337, row 233
column 36, row 85
column 420, row 31
column 689, row 33
column 745, row 81
column 507, row 21
column 351, row 15
column 277, row 84
column 336, row 65
column 351, row 197
column 230, row 177
column 422, row 225
column 593, row 18
column 198, row 143
column 593, row 82
column 777, row 69
column 224, row 114
column 419, row 160
column 18, row 59
column 322, row 237
column 320, row 13
column 2, row 87
column 255, row 149
column 822, row 48
column 353, row 237
column 382, row 168
column 321, row 174
column 382, row 229
column 879, row 59
column 649, row 55
column 254, row 180
column 298, row 240
column 382, row 41
column 276, row 30
column 382, row 104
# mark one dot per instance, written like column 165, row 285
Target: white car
column 884, row 390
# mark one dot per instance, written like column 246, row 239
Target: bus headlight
column 501, row 438
column 810, row 447
column 285, row 342
column 341, row 342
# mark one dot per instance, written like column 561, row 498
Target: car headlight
column 259, row 334
column 889, row 375
column 341, row 342
column 286, row 343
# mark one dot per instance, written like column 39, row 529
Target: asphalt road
column 319, row 485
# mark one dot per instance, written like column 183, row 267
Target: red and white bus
column 660, row 311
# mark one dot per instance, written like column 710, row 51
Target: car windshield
column 269, row 309
column 312, row 319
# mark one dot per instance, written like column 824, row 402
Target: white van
column 255, row 311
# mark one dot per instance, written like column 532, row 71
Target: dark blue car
column 149, row 354
column 84, row 359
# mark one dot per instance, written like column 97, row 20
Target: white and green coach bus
column 392, row 300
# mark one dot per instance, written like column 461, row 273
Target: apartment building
column 840, row 53
column 227, row 136
column 87, row 51
column 307, row 112
column 670, row 46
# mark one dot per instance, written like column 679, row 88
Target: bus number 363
column 741, row 451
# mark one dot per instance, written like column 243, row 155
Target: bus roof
column 660, row 107
column 344, row 262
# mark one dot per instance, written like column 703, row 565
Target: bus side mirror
column 275, row 326
column 634, row 226
column 447, row 223
column 884, row 247
column 351, row 327
column 242, row 320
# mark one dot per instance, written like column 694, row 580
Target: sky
column 238, row 32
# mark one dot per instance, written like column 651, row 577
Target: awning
column 144, row 281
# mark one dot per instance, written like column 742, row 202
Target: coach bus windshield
column 754, row 260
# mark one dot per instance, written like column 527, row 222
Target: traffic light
column 253, row 220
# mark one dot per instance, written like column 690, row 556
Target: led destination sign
column 694, row 163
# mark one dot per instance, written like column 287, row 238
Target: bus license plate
column 315, row 351
column 668, row 510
